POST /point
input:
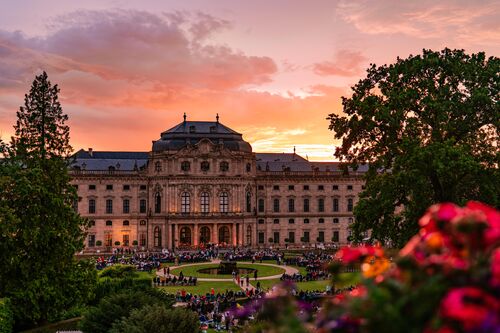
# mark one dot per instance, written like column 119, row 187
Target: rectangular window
column 335, row 237
column 321, row 220
column 291, row 205
column 261, row 238
column 350, row 204
column 291, row 237
column 108, row 239
column 276, row 187
column 91, row 242
column 126, row 206
column 91, row 187
column 306, row 187
column 306, row 205
column 276, row 205
column 91, row 206
column 126, row 240
column 261, row 205
column 126, row 187
column 142, row 206
column 335, row 187
column 109, row 187
column 142, row 241
column 276, row 221
column 142, row 187
column 261, row 221
column 306, row 221
column 109, row 206
column 291, row 187
column 335, row 220
column 261, row 187
column 335, row 204
column 306, row 237
column 321, row 236
column 349, row 187
column 276, row 237
column 291, row 221
column 321, row 187
column 321, row 205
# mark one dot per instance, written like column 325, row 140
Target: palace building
column 201, row 184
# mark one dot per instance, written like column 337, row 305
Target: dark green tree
column 428, row 128
column 39, row 229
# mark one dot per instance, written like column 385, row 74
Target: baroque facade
column 202, row 184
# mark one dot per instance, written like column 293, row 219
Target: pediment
column 204, row 147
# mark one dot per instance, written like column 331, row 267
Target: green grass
column 262, row 270
column 203, row 287
column 345, row 280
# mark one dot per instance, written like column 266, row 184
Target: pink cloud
column 345, row 63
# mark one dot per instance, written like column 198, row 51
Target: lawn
column 203, row 287
column 345, row 280
column 262, row 270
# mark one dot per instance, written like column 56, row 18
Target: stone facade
column 201, row 184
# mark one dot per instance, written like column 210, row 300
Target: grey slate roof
column 103, row 160
column 201, row 127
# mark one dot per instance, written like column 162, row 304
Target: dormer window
column 224, row 166
column 158, row 166
column 192, row 129
column 205, row 166
column 185, row 166
column 213, row 129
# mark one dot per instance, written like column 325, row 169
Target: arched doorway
column 157, row 236
column 185, row 236
column 224, row 235
column 204, row 235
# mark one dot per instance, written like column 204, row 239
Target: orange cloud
column 345, row 63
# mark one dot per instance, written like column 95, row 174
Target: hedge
column 6, row 316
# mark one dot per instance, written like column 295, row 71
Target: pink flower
column 495, row 268
column 447, row 211
column 470, row 307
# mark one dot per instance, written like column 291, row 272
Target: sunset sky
column 273, row 70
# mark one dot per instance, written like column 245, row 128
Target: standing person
column 255, row 275
column 168, row 270
column 164, row 271
column 248, row 280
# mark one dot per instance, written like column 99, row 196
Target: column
column 214, row 239
column 175, row 235
column 234, row 233
column 169, row 236
column 195, row 234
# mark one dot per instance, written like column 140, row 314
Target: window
column 158, row 166
column 75, row 205
column 205, row 166
column 276, row 188
column 143, row 222
column 349, row 187
column 321, row 205
column 261, row 221
column 126, row 223
column 291, row 221
column 109, row 223
column 109, row 187
column 276, row 221
column 291, row 205
column 126, row 187
column 213, row 129
column 108, row 239
column 185, row 236
column 321, row 236
column 335, row 220
column 306, row 205
column 142, row 239
column 224, row 202
column 276, row 237
column 305, row 237
column 91, row 187
column 157, row 203
column 126, row 206
column 205, row 202
column 335, row 204
column 306, row 221
column 335, row 237
column 261, row 187
column 224, row 166
column 349, row 204
column 276, row 205
column 249, row 202
column 185, row 166
column 185, row 203
column 291, row 237
column 261, row 205
column 91, row 206
column 321, row 187
column 91, row 240
column 192, row 129
column 109, row 206
column 249, row 235
column 142, row 187
column 142, row 206
column 321, row 220
column 350, row 220
column 157, row 236
column 224, row 235
column 249, row 167
column 306, row 187
column 335, row 187
column 204, row 235
column 291, row 187
column 261, row 238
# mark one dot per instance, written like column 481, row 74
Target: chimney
column 91, row 152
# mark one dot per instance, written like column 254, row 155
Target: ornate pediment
column 204, row 148
column 186, row 188
column 204, row 188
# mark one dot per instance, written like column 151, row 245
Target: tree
column 427, row 126
column 39, row 230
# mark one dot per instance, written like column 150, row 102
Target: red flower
column 447, row 211
column 470, row 306
column 495, row 268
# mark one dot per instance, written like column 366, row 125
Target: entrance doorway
column 204, row 235
column 185, row 236
column 224, row 235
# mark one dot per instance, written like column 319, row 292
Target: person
column 168, row 270
column 248, row 280
column 255, row 275
column 258, row 285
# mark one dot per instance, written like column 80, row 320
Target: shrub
column 118, row 271
column 157, row 318
column 6, row 316
column 135, row 243
column 117, row 243
column 98, row 243
column 109, row 286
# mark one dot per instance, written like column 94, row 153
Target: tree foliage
column 39, row 230
column 428, row 128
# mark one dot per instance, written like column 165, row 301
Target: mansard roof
column 109, row 160
column 191, row 132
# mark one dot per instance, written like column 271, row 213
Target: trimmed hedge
column 109, row 286
column 6, row 316
column 118, row 271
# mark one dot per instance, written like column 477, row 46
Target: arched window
column 249, row 235
column 224, row 235
column 249, row 202
column 291, row 205
column 157, row 236
column 224, row 202
column 204, row 235
column 224, row 166
column 185, row 166
column 126, row 206
column 205, row 166
column 276, row 205
column 91, row 206
column 157, row 202
column 126, row 223
column 142, row 206
column 185, row 236
column 306, row 205
column 185, row 203
column 109, row 206
column 321, row 205
column 261, row 205
column 205, row 202
column 349, row 204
